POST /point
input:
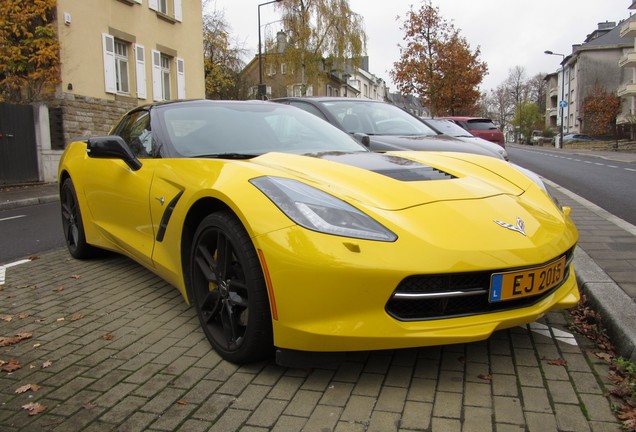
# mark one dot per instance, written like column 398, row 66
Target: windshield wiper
column 228, row 156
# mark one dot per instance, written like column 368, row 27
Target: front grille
column 454, row 295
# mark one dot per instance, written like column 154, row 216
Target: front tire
column 228, row 290
column 72, row 224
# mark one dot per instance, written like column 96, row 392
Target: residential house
column 280, row 80
column 116, row 55
column 409, row 103
column 627, row 63
column 553, row 93
column 592, row 64
column 365, row 84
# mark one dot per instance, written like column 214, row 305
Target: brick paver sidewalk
column 114, row 348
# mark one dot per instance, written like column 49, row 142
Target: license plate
column 526, row 283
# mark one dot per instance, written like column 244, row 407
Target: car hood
column 399, row 180
column 425, row 142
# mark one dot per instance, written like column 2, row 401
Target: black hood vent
column 395, row 167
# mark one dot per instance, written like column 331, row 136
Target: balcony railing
column 628, row 29
column 628, row 60
column 627, row 90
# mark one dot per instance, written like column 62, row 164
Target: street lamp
column 262, row 89
column 562, row 101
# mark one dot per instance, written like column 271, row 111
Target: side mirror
column 112, row 147
column 362, row 138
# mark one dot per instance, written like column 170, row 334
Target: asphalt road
column 608, row 184
column 27, row 231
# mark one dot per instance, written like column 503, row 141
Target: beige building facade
column 116, row 55
column 137, row 51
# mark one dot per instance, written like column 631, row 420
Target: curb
column 606, row 297
column 10, row 205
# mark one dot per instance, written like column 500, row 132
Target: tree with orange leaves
column 437, row 64
column 600, row 110
column 29, row 49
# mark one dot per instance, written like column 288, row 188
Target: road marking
column 12, row 217
column 549, row 154
column 4, row 267
column 552, row 333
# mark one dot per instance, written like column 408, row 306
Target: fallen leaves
column 557, row 362
column 6, row 341
column 485, row 377
column 77, row 316
column 621, row 373
column 9, row 318
column 604, row 356
column 25, row 388
column 47, row 364
column 34, row 408
column 10, row 366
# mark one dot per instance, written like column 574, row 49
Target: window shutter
column 110, row 79
column 181, row 84
column 140, row 68
column 178, row 12
column 153, row 4
column 157, row 92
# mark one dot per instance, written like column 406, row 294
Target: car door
column 118, row 197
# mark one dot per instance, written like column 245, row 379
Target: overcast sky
column 509, row 32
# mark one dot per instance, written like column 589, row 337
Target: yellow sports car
column 284, row 232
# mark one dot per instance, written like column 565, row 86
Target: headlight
column 318, row 211
column 537, row 180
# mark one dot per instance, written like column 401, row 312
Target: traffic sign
column 563, row 104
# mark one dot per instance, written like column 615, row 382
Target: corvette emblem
column 519, row 227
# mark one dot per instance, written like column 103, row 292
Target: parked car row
column 383, row 127
column 285, row 233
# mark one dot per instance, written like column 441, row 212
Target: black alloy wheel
column 228, row 290
column 72, row 223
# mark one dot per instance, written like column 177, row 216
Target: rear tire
column 228, row 290
column 72, row 224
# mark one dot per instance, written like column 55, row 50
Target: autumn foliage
column 320, row 30
column 29, row 49
column 600, row 110
column 221, row 61
column 437, row 64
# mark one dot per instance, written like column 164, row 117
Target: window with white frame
column 121, row 67
column 296, row 90
column 164, row 7
column 163, row 77
column 117, row 70
column 283, row 68
column 252, row 92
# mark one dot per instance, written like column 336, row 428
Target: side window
column 135, row 130
column 309, row 108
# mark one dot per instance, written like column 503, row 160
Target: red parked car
column 481, row 127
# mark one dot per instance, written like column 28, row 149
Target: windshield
column 235, row 129
column 481, row 124
column 376, row 118
column 448, row 127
